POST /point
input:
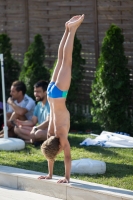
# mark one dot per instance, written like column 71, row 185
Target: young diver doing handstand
column 57, row 92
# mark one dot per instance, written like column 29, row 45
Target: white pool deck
column 17, row 184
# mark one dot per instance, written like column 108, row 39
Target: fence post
column 26, row 2
column 96, row 32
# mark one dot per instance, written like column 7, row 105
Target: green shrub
column 111, row 90
column 33, row 68
column 85, row 125
column 11, row 66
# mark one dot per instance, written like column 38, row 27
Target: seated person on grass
column 35, row 130
column 19, row 106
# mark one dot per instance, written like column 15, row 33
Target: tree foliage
column 11, row 66
column 111, row 90
column 33, row 68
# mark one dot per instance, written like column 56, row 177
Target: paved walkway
column 12, row 194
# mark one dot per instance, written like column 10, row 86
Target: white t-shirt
column 27, row 103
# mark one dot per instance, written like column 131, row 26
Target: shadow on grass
column 118, row 170
column 40, row 166
column 112, row 170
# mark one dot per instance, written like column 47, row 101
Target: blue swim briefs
column 54, row 92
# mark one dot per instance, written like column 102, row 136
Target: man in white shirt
column 35, row 130
column 19, row 106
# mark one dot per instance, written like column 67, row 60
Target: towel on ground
column 109, row 139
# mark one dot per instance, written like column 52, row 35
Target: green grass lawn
column 119, row 162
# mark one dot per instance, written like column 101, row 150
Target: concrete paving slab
column 14, row 194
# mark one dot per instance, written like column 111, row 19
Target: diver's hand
column 45, row 177
column 64, row 180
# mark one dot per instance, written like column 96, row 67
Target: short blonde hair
column 50, row 147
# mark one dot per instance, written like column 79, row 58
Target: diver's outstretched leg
column 60, row 51
column 64, row 75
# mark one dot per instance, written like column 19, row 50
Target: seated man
column 28, row 130
column 19, row 106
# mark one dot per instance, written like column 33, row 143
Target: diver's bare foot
column 71, row 20
column 75, row 22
